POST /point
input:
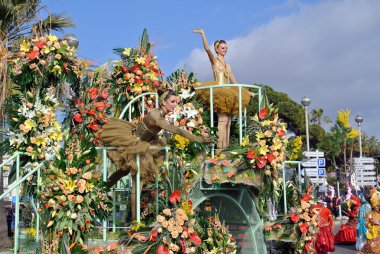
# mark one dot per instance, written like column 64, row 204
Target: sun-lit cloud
column 328, row 51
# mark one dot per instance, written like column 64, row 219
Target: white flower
column 190, row 124
column 186, row 94
column 190, row 113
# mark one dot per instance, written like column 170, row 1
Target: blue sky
column 328, row 49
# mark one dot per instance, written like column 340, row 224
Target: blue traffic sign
column 321, row 172
column 321, row 162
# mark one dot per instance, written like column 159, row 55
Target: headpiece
column 163, row 96
column 375, row 199
column 216, row 44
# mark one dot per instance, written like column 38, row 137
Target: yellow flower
column 181, row 142
column 57, row 69
column 260, row 135
column 68, row 186
column 245, row 141
column 127, row 51
column 29, row 124
column 24, row 47
column 53, row 38
column 353, row 133
column 343, row 118
column 136, row 225
column 152, row 76
column 41, row 141
column 89, row 186
column 140, row 60
column 57, row 135
column 46, row 50
column 263, row 150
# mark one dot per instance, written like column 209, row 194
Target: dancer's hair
column 217, row 43
column 164, row 95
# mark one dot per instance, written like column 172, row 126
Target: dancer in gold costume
column 372, row 244
column 131, row 141
column 226, row 99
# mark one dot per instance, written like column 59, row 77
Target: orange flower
column 175, row 197
column 182, row 122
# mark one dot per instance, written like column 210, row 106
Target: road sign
column 312, row 172
column 372, row 183
column 321, row 172
column 318, row 180
column 313, row 154
column 366, row 173
column 365, row 178
column 310, row 163
column 364, row 160
column 321, row 162
column 364, row 167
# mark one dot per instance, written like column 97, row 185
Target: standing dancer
column 325, row 237
column 361, row 228
column 226, row 99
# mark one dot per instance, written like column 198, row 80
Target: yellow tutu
column 226, row 99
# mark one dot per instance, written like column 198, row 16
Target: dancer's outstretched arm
column 206, row 46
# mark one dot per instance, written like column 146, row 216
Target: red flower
column 294, row 217
column 124, row 68
column 78, row 118
column 263, row 113
column 93, row 126
column 135, row 68
column 183, row 247
column 93, row 93
column 304, row 227
column 195, row 238
column 308, row 246
column 175, row 197
column 270, row 157
column 213, row 161
column 99, row 106
column 153, row 236
column 40, row 44
column 306, row 197
column 33, row 55
column 104, row 94
column 250, row 154
column 261, row 162
column 90, row 112
column 280, row 133
column 162, row 250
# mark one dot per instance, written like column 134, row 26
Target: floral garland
column 72, row 195
column 300, row 226
column 34, row 128
column 89, row 112
column 188, row 115
column 46, row 58
column 138, row 72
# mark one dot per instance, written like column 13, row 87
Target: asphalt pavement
column 342, row 248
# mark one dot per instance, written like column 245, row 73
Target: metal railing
column 240, row 86
column 16, row 186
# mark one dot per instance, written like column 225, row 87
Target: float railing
column 298, row 163
column 240, row 86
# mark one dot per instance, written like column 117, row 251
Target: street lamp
column 359, row 120
column 305, row 101
column 72, row 40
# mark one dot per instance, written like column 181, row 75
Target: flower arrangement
column 89, row 111
column 219, row 240
column 47, row 59
column 34, row 129
column 136, row 73
column 72, row 195
column 299, row 226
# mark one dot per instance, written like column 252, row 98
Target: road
column 342, row 248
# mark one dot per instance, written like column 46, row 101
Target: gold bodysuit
column 130, row 141
column 226, row 99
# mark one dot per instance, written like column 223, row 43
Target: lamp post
column 305, row 101
column 72, row 40
column 359, row 120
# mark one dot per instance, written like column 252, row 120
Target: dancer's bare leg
column 133, row 198
column 228, row 131
column 222, row 130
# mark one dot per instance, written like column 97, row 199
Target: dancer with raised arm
column 131, row 141
column 226, row 99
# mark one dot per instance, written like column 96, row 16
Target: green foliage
column 289, row 111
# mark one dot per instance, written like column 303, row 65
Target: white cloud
column 329, row 51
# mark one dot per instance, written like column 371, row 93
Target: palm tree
column 316, row 116
column 18, row 19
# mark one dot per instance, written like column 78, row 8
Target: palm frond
column 56, row 22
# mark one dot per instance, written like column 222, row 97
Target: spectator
column 9, row 216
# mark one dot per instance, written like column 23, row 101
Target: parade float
column 197, row 203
